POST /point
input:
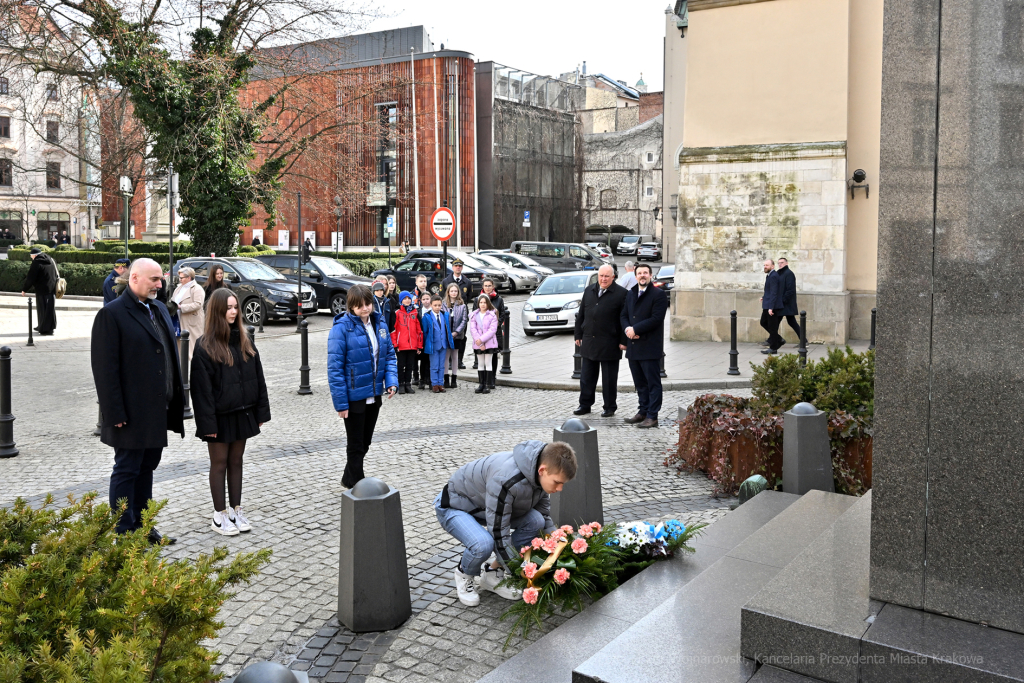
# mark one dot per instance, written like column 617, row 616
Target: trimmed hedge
column 22, row 254
column 352, row 255
column 140, row 247
column 365, row 267
column 11, row 243
column 84, row 279
column 65, row 247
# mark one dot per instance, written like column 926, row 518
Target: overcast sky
column 547, row 37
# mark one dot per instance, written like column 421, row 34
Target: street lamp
column 337, row 231
column 126, row 192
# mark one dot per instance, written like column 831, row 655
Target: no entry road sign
column 442, row 224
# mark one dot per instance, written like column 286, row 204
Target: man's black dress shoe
column 155, row 537
column 581, row 411
column 608, row 413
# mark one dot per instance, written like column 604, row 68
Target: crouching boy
column 498, row 504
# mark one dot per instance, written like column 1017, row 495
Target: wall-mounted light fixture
column 859, row 176
column 674, row 208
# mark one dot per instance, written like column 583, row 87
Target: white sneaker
column 466, row 588
column 489, row 580
column 239, row 520
column 223, row 525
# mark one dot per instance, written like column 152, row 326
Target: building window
column 53, row 175
column 650, row 156
column 6, row 172
column 5, row 86
column 609, row 199
column 51, row 92
column 649, row 191
column 52, row 131
column 5, row 126
column 590, row 196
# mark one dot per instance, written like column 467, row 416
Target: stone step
column 552, row 658
column 694, row 635
column 810, row 618
column 814, row 618
column 769, row 674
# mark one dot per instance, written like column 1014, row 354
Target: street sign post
column 442, row 225
column 526, row 219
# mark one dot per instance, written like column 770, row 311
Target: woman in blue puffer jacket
column 361, row 367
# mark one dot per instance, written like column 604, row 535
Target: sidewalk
column 545, row 361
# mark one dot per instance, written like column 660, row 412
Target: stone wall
column 740, row 205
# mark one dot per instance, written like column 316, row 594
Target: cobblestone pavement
column 291, row 495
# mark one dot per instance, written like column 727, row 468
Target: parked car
column 520, row 261
column 666, row 278
column 648, row 251
column 472, row 268
column 555, row 303
column 519, row 279
column 406, row 271
column 601, row 248
column 629, row 243
column 562, row 256
column 330, row 279
column 256, row 284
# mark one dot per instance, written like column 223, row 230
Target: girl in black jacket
column 229, row 399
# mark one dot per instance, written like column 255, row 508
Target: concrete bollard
column 579, row 502
column 806, row 455
column 270, row 672
column 7, row 445
column 373, row 577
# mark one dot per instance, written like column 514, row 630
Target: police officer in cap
column 120, row 268
column 466, row 290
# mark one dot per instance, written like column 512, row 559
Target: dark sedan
column 256, row 285
column 405, row 273
column 330, row 279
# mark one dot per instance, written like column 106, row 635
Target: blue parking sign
column 526, row 215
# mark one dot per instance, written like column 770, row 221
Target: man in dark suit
column 135, row 367
column 601, row 340
column 42, row 277
column 771, row 284
column 783, row 306
column 643, row 320
column 466, row 291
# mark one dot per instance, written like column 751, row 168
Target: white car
column 650, row 251
column 520, row 261
column 555, row 303
column 628, row 245
column 519, row 279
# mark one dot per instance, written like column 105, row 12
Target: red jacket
column 408, row 335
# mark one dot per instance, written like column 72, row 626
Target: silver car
column 520, row 261
column 555, row 303
column 519, row 279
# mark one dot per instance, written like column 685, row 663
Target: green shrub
column 247, row 249
column 76, row 606
column 365, row 267
column 26, row 247
column 11, row 243
column 65, row 247
column 85, row 256
column 44, row 243
column 180, row 247
column 84, row 279
column 113, row 245
column 264, row 250
column 841, row 381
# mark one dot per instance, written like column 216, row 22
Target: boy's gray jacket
column 499, row 488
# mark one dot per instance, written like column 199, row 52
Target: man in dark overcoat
column 771, row 285
column 42, row 277
column 601, row 340
column 784, row 306
column 643, row 320
column 136, row 369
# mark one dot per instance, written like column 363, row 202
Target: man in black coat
column 784, row 306
column 136, row 370
column 643, row 320
column 466, row 291
column 42, row 277
column 601, row 340
column 771, row 286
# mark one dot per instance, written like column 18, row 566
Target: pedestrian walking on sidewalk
column 771, row 289
column 483, row 326
column 136, row 369
column 784, row 306
column 437, row 342
column 643, row 320
column 458, row 319
column 408, row 341
column 601, row 340
column 361, row 368
column 42, row 278
column 230, row 404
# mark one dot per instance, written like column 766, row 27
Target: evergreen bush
column 65, row 247
column 247, row 249
column 87, row 256
column 11, row 243
column 365, row 267
column 77, row 606
column 84, row 279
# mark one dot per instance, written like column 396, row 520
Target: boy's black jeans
column 406, row 362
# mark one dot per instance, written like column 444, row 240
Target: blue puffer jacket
column 350, row 363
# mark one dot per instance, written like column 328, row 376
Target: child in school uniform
column 437, row 340
column 407, row 339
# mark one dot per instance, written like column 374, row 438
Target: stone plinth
column 806, row 454
column 579, row 501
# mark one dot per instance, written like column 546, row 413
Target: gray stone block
column 373, row 578
column 579, row 501
column 806, row 455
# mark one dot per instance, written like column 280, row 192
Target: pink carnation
column 596, row 527
column 586, row 531
column 549, row 545
column 536, row 543
column 529, row 570
column 579, row 546
column 530, row 596
column 561, row 576
column 558, row 535
column 523, row 551
column 566, row 528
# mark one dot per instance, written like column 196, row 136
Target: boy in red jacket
column 407, row 340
